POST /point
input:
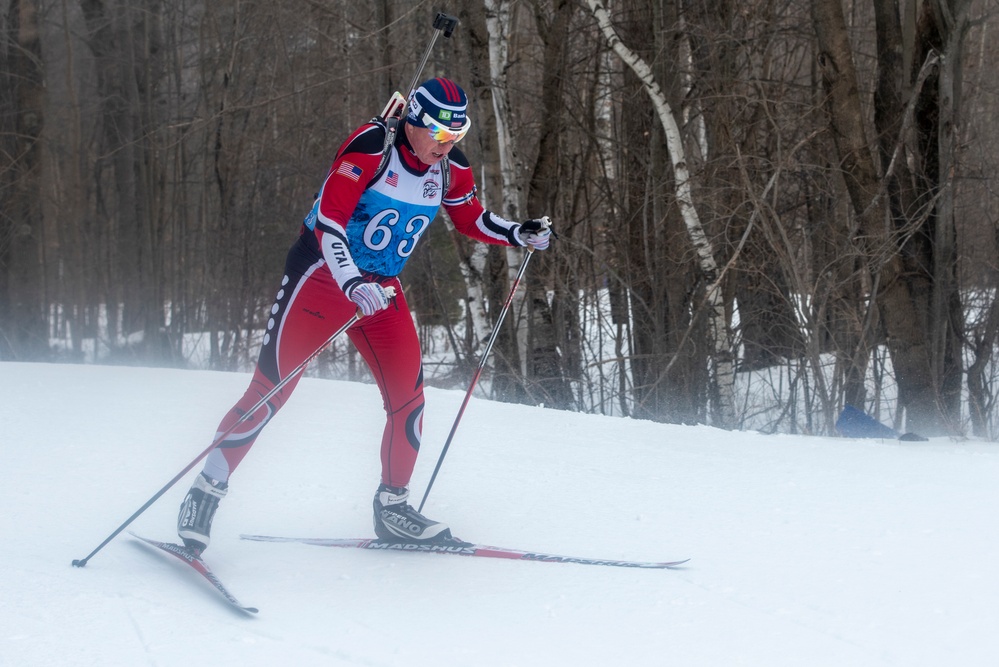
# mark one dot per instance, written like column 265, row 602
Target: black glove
column 535, row 233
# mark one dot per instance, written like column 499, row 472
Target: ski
column 459, row 548
column 185, row 555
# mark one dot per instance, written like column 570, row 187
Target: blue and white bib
column 391, row 216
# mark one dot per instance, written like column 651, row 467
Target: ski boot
column 194, row 523
column 398, row 521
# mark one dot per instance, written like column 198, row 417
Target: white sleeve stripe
column 497, row 228
column 460, row 200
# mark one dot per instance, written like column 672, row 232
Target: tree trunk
column 722, row 366
column 545, row 371
column 124, row 42
column 23, row 321
column 895, row 290
column 922, row 207
column 946, row 329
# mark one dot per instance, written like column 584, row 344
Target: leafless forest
column 765, row 210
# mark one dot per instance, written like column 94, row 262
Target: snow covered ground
column 804, row 551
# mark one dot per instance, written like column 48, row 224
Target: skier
column 366, row 221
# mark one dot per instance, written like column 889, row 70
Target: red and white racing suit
column 359, row 230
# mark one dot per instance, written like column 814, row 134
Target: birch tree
column 499, row 18
column 722, row 367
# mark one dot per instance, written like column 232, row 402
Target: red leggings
column 308, row 309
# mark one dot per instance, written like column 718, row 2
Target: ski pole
column 396, row 106
column 478, row 372
column 442, row 22
column 395, row 109
column 390, row 291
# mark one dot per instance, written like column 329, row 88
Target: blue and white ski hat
column 440, row 105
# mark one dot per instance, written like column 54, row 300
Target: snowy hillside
column 804, row 551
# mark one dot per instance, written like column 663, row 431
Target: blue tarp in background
column 855, row 423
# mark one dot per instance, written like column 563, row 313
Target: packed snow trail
column 814, row 551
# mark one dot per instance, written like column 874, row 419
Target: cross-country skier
column 364, row 225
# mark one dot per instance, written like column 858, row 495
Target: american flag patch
column 350, row 170
column 392, row 179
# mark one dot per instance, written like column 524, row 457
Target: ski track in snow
column 804, row 551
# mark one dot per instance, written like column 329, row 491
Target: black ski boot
column 194, row 523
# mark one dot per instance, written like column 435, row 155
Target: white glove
column 535, row 233
column 369, row 297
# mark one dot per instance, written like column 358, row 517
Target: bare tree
column 23, row 317
column 761, row 218
column 721, row 358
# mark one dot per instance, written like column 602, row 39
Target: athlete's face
column 427, row 149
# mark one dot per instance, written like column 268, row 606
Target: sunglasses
column 443, row 134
